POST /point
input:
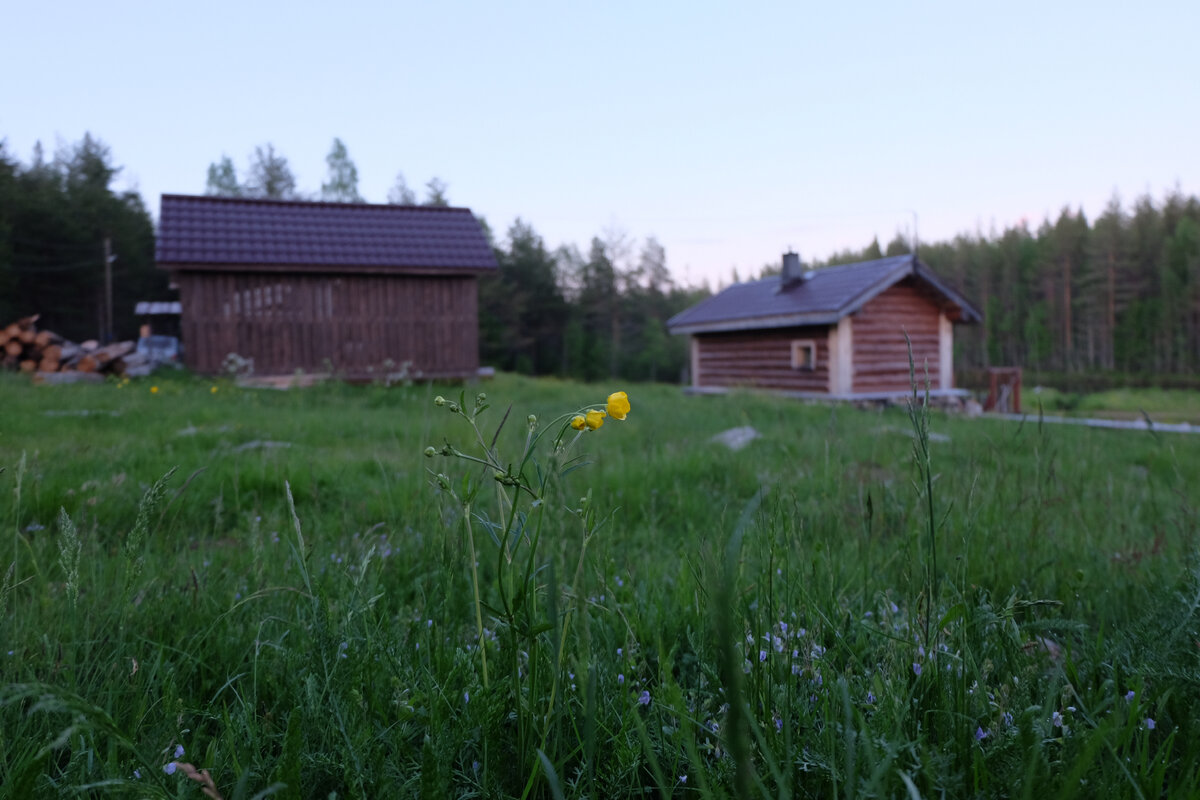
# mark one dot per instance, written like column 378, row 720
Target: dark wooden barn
column 835, row 332
column 354, row 290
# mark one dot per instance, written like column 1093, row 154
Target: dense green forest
column 1120, row 293
column 1116, row 297
column 55, row 216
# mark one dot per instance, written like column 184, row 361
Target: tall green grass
column 280, row 584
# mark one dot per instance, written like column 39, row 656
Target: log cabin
column 837, row 332
column 352, row 289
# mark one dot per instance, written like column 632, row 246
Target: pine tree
column 342, row 185
column 270, row 176
column 400, row 194
column 222, row 179
column 435, row 193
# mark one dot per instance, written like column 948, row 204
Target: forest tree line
column 55, row 215
column 1119, row 294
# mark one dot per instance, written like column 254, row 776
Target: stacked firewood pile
column 24, row 347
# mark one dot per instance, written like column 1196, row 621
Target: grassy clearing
column 1160, row 405
column 779, row 621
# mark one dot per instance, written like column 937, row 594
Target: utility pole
column 109, row 258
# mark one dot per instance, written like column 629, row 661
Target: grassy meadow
column 258, row 593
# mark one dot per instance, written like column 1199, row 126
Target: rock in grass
column 737, row 438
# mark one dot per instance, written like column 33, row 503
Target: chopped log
column 70, row 351
column 4, row 337
column 52, row 352
column 46, row 339
column 48, row 365
column 27, row 335
column 12, row 331
column 113, row 351
column 13, row 348
column 87, row 364
column 28, row 365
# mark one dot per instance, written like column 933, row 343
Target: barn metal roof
column 822, row 298
column 224, row 232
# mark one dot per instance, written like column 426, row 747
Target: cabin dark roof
column 224, row 232
column 822, row 298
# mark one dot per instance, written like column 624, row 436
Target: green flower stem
column 475, row 588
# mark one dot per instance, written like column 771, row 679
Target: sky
column 731, row 132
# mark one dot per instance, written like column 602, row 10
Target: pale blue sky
column 729, row 131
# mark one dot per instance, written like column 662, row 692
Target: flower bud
column 532, row 420
column 430, row 452
column 454, row 408
column 439, row 401
column 443, row 481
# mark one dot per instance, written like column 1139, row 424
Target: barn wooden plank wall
column 762, row 359
column 351, row 324
column 880, row 353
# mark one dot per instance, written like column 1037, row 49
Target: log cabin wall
column 351, row 324
column 879, row 351
column 761, row 359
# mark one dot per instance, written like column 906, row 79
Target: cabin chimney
column 793, row 272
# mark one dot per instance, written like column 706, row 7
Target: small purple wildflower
column 762, row 656
column 683, row 778
column 980, row 734
column 1057, row 719
column 870, row 697
column 621, row 679
column 170, row 767
column 1008, row 718
column 916, row 669
column 466, row 698
column 178, row 751
column 1129, row 696
column 1150, row 724
column 644, row 698
column 137, row 774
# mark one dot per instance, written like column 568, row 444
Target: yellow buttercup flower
column 213, row 390
column 595, row 418
column 618, row 405
column 153, row 390
column 578, row 423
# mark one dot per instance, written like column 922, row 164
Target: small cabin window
column 804, row 354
